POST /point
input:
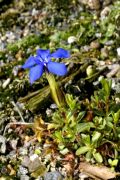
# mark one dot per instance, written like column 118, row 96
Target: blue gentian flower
column 37, row 64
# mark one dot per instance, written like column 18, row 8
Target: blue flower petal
column 38, row 60
column 29, row 62
column 35, row 73
column 61, row 53
column 43, row 53
column 57, row 68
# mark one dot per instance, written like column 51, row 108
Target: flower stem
column 56, row 92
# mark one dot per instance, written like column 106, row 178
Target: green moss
column 9, row 18
column 27, row 42
column 2, row 55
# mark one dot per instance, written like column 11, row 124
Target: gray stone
column 13, row 143
column 31, row 164
column 106, row 2
column 3, row 144
column 26, row 161
column 94, row 4
column 24, row 177
column 6, row 82
column 23, row 151
column 104, row 13
column 23, row 170
column 55, row 175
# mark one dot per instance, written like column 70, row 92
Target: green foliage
column 89, row 146
column 87, row 25
column 82, row 29
column 101, row 101
column 109, row 26
column 72, row 130
column 26, row 42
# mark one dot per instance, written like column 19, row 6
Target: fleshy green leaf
column 86, row 139
column 96, row 136
column 81, row 127
column 115, row 162
column 116, row 116
column 88, row 155
column 106, row 86
column 98, row 157
column 59, row 136
column 71, row 102
column 82, row 150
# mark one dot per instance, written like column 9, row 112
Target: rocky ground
column 90, row 31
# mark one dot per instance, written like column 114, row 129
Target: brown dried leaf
column 39, row 127
column 69, row 157
column 89, row 116
column 101, row 172
column 69, row 163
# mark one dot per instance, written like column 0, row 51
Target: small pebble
column 53, row 176
column 13, row 143
column 3, row 144
column 104, row 13
column 15, row 70
column 94, row 45
column 104, row 52
column 72, row 39
column 34, row 12
column 118, row 51
column 49, row 112
column 113, row 70
column 25, row 161
column 106, row 2
column 109, row 43
column 33, row 157
column 6, row 82
column 98, row 35
column 53, row 106
column 34, row 164
column 24, row 177
column 22, row 170
column 23, row 151
column 94, row 4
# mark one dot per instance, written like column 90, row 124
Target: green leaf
column 98, row 157
column 96, row 136
column 116, row 116
column 106, row 86
column 110, row 30
column 110, row 161
column 58, row 135
column 88, row 155
column 70, row 101
column 86, row 139
column 110, row 125
column 81, row 115
column 82, row 150
column 81, row 127
column 61, row 146
column 115, row 162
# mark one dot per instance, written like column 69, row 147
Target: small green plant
column 113, row 163
column 100, row 102
column 109, row 25
column 89, row 145
column 72, row 130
